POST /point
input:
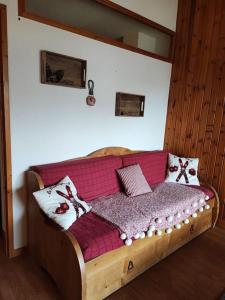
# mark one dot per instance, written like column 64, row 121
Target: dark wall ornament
column 58, row 69
column 90, row 98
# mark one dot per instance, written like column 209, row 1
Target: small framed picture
column 58, row 69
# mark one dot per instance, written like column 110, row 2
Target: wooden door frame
column 5, row 120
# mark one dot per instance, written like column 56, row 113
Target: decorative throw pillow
column 61, row 203
column 133, row 180
column 182, row 170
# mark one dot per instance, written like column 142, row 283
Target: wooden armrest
column 216, row 209
column 57, row 251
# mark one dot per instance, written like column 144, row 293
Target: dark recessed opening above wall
column 105, row 21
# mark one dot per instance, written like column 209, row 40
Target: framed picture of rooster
column 62, row 70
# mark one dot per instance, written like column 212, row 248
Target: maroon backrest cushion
column 93, row 177
column 152, row 163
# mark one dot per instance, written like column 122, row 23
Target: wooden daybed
column 59, row 253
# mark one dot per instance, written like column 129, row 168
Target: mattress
column 96, row 236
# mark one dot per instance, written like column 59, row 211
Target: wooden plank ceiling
column 196, row 109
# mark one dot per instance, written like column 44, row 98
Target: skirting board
column 16, row 252
column 19, row 251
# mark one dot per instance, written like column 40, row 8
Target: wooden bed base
column 59, row 253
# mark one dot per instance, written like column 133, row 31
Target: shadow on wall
column 21, row 220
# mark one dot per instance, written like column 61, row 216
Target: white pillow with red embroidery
column 61, row 203
column 182, row 170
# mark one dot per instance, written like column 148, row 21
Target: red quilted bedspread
column 96, row 236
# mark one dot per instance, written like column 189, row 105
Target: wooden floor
column 195, row 272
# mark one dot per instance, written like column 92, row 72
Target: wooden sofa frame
column 59, row 253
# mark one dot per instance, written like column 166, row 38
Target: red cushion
column 153, row 164
column 94, row 177
column 95, row 236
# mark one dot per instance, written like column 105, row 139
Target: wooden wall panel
column 196, row 109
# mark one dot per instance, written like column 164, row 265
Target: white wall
column 50, row 123
column 163, row 12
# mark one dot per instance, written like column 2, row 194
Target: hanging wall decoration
column 90, row 98
column 129, row 105
column 57, row 69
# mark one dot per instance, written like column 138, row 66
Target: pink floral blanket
column 169, row 202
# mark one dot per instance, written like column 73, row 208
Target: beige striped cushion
column 134, row 181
